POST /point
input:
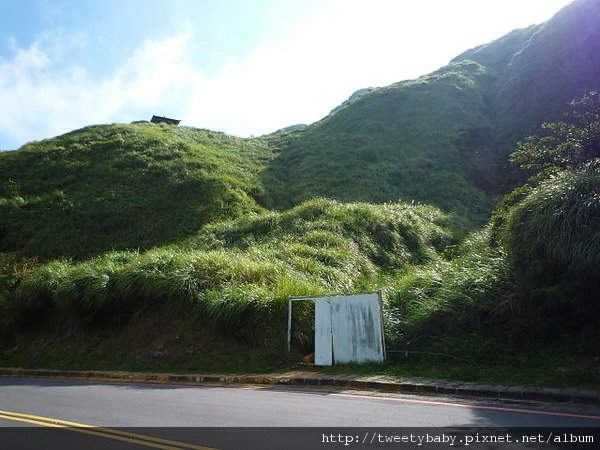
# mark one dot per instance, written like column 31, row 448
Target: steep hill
column 540, row 69
column 445, row 137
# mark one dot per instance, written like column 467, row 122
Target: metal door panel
column 323, row 349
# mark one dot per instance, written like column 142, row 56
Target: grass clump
column 451, row 296
column 390, row 234
column 554, row 230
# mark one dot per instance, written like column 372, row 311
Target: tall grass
column 237, row 275
column 555, row 229
column 539, row 285
column 451, row 296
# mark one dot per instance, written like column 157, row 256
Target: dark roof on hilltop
column 160, row 119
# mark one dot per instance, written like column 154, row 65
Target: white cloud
column 158, row 68
column 26, row 90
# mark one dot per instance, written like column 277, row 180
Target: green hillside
column 442, row 139
column 445, row 138
column 526, row 285
column 406, row 141
column 539, row 70
column 124, row 187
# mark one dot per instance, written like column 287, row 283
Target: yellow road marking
column 110, row 433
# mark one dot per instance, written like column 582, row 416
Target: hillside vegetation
column 405, row 141
column 124, row 187
column 529, row 280
column 442, row 139
column 445, row 138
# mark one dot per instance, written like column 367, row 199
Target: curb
column 377, row 383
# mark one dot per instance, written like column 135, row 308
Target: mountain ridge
column 531, row 76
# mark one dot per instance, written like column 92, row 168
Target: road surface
column 140, row 406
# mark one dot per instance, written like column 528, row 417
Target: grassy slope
column 404, row 141
column 441, row 139
column 123, row 186
column 539, row 70
column 528, row 303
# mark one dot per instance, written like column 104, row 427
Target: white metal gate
column 348, row 328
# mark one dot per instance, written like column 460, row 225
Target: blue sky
column 243, row 67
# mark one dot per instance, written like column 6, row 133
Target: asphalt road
column 138, row 406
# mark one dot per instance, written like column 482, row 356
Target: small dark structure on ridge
column 159, row 119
